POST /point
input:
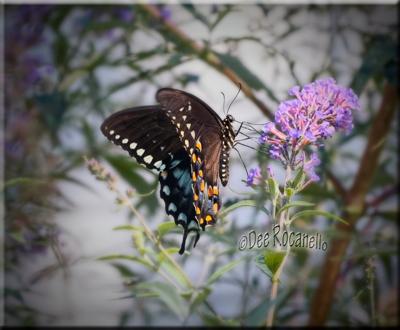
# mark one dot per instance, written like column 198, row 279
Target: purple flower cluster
column 315, row 113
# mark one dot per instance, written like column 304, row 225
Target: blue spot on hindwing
column 176, row 191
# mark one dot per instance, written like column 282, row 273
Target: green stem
column 283, row 223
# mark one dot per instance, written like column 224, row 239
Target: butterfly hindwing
column 177, row 193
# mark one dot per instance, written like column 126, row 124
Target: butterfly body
column 188, row 144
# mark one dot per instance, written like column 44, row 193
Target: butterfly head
column 230, row 118
column 228, row 121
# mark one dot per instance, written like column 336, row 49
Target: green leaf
column 129, row 227
column 222, row 270
column 175, row 59
column 224, row 238
column 124, row 270
column 139, row 260
column 24, row 181
column 171, row 268
column 380, row 56
column 145, row 295
column 52, row 107
column 200, row 298
column 274, row 192
column 289, row 192
column 129, row 170
column 18, row 236
column 269, row 261
column 196, row 14
column 70, row 78
column 257, row 316
column 172, row 250
column 242, row 203
column 221, row 15
column 298, row 179
column 273, row 259
column 241, row 70
column 60, row 49
column 57, row 17
column 273, row 188
column 169, row 295
column 260, row 263
column 216, row 320
column 138, row 241
column 294, row 204
column 16, row 294
column 310, row 213
column 88, row 133
column 165, row 227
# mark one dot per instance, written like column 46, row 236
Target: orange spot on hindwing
column 205, row 194
column 202, row 185
column 198, row 145
column 215, row 207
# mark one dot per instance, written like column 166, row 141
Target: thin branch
column 179, row 37
column 386, row 193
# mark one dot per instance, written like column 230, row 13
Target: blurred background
column 75, row 255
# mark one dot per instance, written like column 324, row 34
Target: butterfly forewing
column 144, row 132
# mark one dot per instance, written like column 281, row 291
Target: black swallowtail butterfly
column 188, row 144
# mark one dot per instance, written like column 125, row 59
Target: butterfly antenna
column 223, row 102
column 240, row 88
column 240, row 156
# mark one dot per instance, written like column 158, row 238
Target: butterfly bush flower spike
column 101, row 174
column 315, row 113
